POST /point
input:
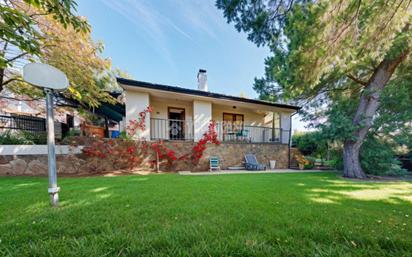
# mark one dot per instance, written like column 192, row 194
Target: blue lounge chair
column 251, row 163
column 214, row 163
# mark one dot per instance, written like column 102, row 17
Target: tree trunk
column 363, row 119
column 352, row 167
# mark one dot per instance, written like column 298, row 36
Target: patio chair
column 242, row 135
column 214, row 163
column 251, row 163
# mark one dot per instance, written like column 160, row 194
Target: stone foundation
column 230, row 154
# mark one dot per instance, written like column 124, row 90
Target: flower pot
column 272, row 164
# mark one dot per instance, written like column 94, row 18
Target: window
column 276, row 127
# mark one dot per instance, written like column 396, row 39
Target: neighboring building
column 19, row 112
column 184, row 114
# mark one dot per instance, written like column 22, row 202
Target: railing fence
column 22, row 122
column 169, row 129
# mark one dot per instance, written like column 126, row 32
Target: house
column 19, row 112
column 181, row 114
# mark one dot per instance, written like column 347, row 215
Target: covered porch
column 188, row 119
column 185, row 114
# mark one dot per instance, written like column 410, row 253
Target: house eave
column 175, row 89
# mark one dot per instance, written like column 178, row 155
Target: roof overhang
column 184, row 93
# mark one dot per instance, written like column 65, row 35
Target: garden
column 379, row 158
column 310, row 214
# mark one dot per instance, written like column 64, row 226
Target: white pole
column 53, row 188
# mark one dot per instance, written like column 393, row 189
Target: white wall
column 160, row 108
column 37, row 149
column 250, row 116
column 285, row 125
column 202, row 115
column 135, row 103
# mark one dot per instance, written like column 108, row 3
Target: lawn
column 312, row 214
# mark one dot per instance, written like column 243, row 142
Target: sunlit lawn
column 313, row 214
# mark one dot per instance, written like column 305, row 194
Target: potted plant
column 302, row 161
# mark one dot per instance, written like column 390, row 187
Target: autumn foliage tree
column 64, row 42
column 20, row 37
column 325, row 50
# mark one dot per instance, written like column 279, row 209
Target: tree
column 19, row 34
column 310, row 143
column 323, row 49
column 390, row 135
column 78, row 56
column 73, row 51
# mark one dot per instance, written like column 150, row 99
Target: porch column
column 202, row 115
column 273, row 127
column 285, row 127
column 136, row 102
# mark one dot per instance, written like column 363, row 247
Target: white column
column 202, row 115
column 136, row 102
column 285, row 125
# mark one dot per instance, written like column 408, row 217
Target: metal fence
column 170, row 129
column 239, row 132
column 22, row 122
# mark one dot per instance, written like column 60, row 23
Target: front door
column 176, row 123
column 232, row 124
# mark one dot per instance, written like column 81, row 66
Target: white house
column 184, row 114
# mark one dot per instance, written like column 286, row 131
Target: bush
column 309, row 166
column 8, row 138
column 379, row 158
column 310, row 143
column 37, row 138
column 22, row 138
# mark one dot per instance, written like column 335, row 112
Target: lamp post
column 51, row 79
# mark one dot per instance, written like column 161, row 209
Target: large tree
column 20, row 36
column 326, row 48
column 55, row 35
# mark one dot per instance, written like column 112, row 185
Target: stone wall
column 231, row 154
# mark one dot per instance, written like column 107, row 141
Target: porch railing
column 170, row 129
column 232, row 132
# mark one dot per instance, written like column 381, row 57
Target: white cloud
column 158, row 25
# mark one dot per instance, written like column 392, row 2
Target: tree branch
column 20, row 99
column 16, row 57
column 10, row 80
column 359, row 81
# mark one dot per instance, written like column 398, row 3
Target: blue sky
column 167, row 41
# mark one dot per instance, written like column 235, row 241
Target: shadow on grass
column 338, row 190
column 238, row 215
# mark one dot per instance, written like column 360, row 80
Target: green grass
column 312, row 214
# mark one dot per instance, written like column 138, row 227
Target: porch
column 187, row 120
column 186, row 117
column 236, row 132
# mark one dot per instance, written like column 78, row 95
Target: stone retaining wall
column 231, row 154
